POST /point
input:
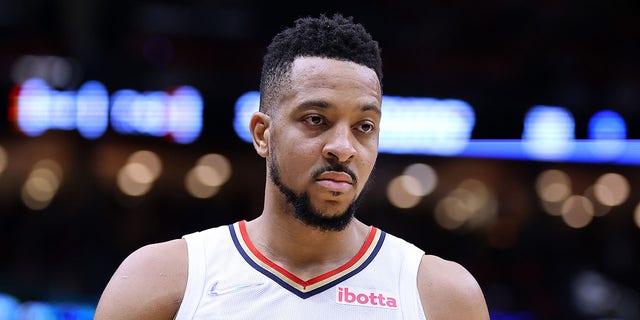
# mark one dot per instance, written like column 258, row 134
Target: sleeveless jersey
column 230, row 279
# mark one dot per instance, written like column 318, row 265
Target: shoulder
column 449, row 291
column 148, row 284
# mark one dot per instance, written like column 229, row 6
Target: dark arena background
column 511, row 141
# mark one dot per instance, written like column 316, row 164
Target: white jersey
column 230, row 279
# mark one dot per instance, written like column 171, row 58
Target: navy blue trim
column 293, row 289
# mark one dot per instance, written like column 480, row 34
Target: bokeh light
column 141, row 170
column 599, row 209
column 549, row 132
column 208, row 175
column 577, row 211
column 150, row 160
column 398, row 194
column 611, row 189
column 553, row 185
column 4, row 159
column 213, row 169
column 42, row 184
column 472, row 204
column 426, row 177
column 134, row 179
column 447, row 213
column 196, row 188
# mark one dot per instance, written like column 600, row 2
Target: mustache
column 336, row 167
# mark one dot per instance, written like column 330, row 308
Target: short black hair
column 335, row 37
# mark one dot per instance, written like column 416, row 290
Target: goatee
column 304, row 210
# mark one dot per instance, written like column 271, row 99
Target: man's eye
column 366, row 127
column 315, row 120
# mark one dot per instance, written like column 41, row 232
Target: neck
column 303, row 250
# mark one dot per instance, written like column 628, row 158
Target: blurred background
column 122, row 125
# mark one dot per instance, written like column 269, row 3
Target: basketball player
column 305, row 256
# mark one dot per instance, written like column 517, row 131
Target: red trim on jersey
column 294, row 278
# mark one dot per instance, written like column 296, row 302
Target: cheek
column 295, row 156
column 367, row 161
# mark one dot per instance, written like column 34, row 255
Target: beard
column 305, row 212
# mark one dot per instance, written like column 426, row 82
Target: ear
column 259, row 126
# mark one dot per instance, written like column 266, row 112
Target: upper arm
column 449, row 291
column 149, row 284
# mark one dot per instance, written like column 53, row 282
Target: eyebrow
column 324, row 105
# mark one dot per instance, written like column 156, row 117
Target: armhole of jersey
column 409, row 284
column 195, row 278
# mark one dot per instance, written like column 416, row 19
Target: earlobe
column 260, row 126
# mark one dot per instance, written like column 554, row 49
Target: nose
column 339, row 145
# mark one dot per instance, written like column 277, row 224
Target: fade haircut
column 337, row 38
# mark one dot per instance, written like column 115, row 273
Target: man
column 305, row 256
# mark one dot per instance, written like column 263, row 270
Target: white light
column 549, row 132
column 56, row 71
column 425, row 125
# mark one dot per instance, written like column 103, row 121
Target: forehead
column 323, row 78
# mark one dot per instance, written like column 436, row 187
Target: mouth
column 335, row 181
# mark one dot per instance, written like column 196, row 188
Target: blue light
column 122, row 111
column 36, row 311
column 581, row 151
column 607, row 125
column 518, row 315
column 33, row 107
column 12, row 309
column 62, row 110
column 609, row 131
column 92, row 103
column 8, row 306
column 245, row 107
column 549, row 133
column 148, row 113
column 185, row 114
column 176, row 115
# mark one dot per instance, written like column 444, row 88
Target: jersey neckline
column 289, row 281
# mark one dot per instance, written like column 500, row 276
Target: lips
column 335, row 181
